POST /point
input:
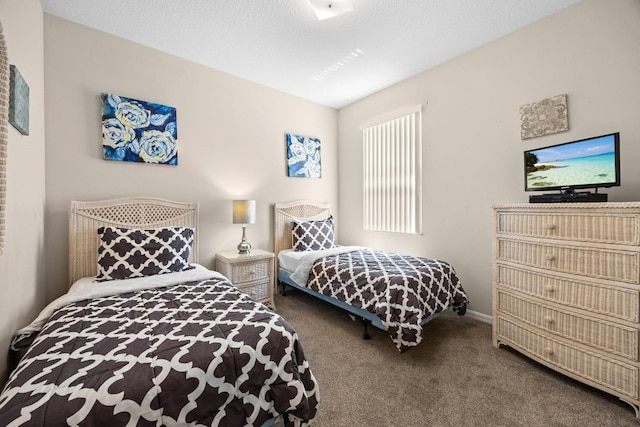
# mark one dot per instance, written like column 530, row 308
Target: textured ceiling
column 283, row 45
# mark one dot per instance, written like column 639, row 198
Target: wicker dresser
column 252, row 273
column 566, row 283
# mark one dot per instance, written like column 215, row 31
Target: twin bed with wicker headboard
column 85, row 217
column 145, row 336
column 394, row 292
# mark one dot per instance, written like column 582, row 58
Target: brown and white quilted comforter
column 401, row 290
column 199, row 353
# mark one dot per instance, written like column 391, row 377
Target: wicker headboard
column 301, row 210
column 141, row 212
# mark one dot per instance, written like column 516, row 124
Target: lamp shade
column 244, row 211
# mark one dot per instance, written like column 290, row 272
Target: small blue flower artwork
column 138, row 131
column 303, row 156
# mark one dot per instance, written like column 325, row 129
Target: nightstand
column 252, row 273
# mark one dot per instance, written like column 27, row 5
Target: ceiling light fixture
column 326, row 9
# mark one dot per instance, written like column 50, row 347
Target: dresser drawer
column 616, row 228
column 593, row 262
column 614, row 375
column 613, row 301
column 607, row 336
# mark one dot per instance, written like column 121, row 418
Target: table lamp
column 244, row 212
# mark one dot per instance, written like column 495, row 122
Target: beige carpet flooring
column 455, row 377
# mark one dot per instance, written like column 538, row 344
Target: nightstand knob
column 551, row 226
column 548, row 319
column 549, row 288
column 550, row 257
column 548, row 351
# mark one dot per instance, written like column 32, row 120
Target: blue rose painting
column 138, row 131
column 303, row 156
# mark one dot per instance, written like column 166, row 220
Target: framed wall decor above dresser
column 566, row 290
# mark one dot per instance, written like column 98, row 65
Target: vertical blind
column 392, row 172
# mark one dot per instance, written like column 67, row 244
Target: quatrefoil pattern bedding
column 199, row 353
column 401, row 290
column 126, row 253
column 313, row 235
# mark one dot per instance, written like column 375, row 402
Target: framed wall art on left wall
column 18, row 101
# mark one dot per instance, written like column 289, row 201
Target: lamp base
column 244, row 248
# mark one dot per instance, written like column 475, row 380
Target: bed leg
column 366, row 335
column 284, row 289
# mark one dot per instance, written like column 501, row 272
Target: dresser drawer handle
column 548, row 351
column 551, row 226
column 550, row 257
column 549, row 288
column 548, row 319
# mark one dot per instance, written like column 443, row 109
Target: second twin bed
column 394, row 292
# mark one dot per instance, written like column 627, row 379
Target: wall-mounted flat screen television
column 586, row 163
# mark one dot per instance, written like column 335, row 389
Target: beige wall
column 231, row 139
column 22, row 264
column 472, row 154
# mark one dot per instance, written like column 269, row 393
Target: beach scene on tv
column 579, row 163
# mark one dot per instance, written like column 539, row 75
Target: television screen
column 587, row 163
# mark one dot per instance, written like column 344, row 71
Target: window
column 392, row 172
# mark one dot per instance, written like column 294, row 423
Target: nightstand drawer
column 257, row 291
column 244, row 272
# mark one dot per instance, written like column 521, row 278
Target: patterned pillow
column 313, row 235
column 126, row 253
